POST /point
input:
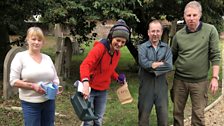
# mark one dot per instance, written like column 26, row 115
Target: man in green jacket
column 194, row 48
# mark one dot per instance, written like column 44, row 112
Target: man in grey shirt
column 155, row 60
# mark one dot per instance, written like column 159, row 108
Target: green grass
column 117, row 114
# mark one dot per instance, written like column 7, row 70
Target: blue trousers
column 99, row 99
column 39, row 114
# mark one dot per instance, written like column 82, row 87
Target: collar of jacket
column 106, row 43
column 198, row 28
column 149, row 44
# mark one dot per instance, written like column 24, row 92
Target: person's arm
column 174, row 48
column 15, row 79
column 143, row 60
column 90, row 63
column 85, row 71
column 214, row 81
column 86, row 89
column 214, row 51
column 15, row 69
column 166, row 65
column 15, row 73
column 115, row 75
column 215, row 58
column 29, row 86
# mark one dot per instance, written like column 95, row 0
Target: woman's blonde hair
column 35, row 31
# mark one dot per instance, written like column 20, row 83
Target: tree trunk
column 133, row 50
column 4, row 45
column 165, row 36
column 173, row 30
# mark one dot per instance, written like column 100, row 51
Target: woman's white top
column 24, row 67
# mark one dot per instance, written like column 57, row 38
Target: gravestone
column 63, row 54
column 8, row 90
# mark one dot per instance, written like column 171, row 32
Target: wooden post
column 67, row 57
column 63, row 53
column 59, row 48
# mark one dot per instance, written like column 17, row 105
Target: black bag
column 82, row 107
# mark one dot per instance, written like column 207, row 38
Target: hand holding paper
column 83, row 88
column 121, row 79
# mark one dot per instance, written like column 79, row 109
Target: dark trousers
column 198, row 94
column 153, row 91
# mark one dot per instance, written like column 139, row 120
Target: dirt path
column 214, row 115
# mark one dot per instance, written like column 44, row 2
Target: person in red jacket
column 98, row 68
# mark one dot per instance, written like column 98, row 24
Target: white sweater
column 25, row 68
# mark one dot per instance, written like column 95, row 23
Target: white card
column 80, row 86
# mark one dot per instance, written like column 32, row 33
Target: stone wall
column 102, row 29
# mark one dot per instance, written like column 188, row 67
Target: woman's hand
column 121, row 79
column 38, row 88
column 85, row 89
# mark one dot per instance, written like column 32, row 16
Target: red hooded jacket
column 99, row 66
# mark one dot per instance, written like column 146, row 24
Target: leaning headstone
column 59, row 48
column 9, row 91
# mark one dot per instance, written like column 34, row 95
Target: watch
column 216, row 77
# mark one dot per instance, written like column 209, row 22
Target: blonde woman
column 28, row 69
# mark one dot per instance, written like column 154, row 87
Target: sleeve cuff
column 85, row 79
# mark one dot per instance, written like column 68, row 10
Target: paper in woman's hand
column 79, row 84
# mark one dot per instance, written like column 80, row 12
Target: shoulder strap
column 99, row 61
column 101, row 57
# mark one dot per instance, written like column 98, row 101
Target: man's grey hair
column 194, row 4
column 155, row 21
